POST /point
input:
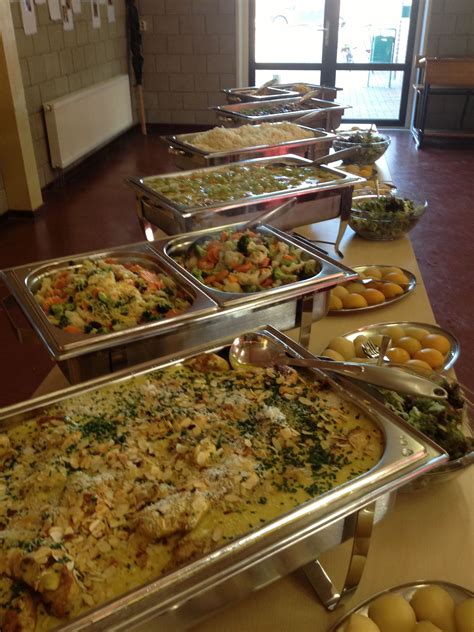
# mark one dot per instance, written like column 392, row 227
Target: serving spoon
column 256, row 350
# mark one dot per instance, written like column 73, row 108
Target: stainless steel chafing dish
column 326, row 114
column 182, row 598
column 187, row 156
column 237, row 95
column 327, row 93
column 85, row 356
column 313, row 205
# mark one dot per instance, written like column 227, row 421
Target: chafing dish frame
column 187, row 155
column 182, row 598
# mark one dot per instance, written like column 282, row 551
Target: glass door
column 364, row 47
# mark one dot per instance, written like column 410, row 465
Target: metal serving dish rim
column 356, row 310
column 238, row 109
column 65, row 345
column 179, row 141
column 372, row 330
column 394, row 469
column 404, row 590
column 328, row 273
column 248, row 93
column 343, row 179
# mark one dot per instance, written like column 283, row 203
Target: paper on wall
column 28, row 16
column 95, row 14
column 110, row 11
column 54, row 10
column 67, row 15
column 76, row 6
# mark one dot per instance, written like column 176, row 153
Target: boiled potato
column 391, row 270
column 392, row 613
column 372, row 272
column 354, row 301
column 335, row 302
column 438, row 342
column 412, row 345
column 426, row 626
column 354, row 287
column 343, row 346
column 334, row 355
column 340, row 291
column 416, row 332
column 373, row 296
column 396, row 277
column 359, row 623
column 464, row 615
column 358, row 342
column 394, row 332
column 391, row 290
column 434, row 603
column 398, row 355
column 431, row 356
column 419, row 366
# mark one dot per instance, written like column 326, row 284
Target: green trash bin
column 381, row 52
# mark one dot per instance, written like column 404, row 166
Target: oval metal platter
column 378, row 328
column 458, row 593
column 356, row 310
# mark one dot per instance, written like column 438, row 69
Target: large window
column 364, row 47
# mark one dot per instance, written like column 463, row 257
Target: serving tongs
column 267, row 84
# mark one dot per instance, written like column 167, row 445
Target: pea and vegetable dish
column 236, row 261
column 103, row 295
column 278, row 108
column 236, row 182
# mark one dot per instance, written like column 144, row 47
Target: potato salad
column 103, row 295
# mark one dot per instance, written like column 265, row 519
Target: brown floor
column 93, row 208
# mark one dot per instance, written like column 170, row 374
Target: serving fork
column 371, row 350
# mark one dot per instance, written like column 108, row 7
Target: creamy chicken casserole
column 105, row 491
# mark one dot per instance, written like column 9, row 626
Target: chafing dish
column 85, row 356
column 327, row 93
column 173, row 218
column 237, row 95
column 187, row 156
column 182, row 598
column 326, row 114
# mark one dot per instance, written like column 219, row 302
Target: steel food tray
column 329, row 112
column 181, row 598
column 86, row 356
column 187, row 156
column 237, row 95
column 327, row 273
column 173, row 218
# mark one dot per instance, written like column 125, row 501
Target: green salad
column 373, row 146
column 385, row 217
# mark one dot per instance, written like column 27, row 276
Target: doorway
column 363, row 47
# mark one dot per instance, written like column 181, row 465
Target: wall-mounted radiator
column 87, row 119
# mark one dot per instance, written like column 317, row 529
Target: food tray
column 238, row 95
column 173, row 218
column 375, row 329
column 186, row 596
column 328, row 113
column 327, row 274
column 458, row 593
column 86, row 356
column 187, row 156
column 411, row 286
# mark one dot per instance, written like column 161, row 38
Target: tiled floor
column 94, row 209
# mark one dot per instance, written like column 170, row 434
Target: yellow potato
column 359, row 623
column 426, row 626
column 343, row 346
column 432, row 356
column 416, row 332
column 464, row 615
column 435, row 341
column 394, row 332
column 334, row 355
column 412, row 345
column 358, row 342
column 396, row 277
column 392, row 613
column 435, row 604
column 391, row 269
column 376, row 339
column 353, row 287
column 398, row 355
column 373, row 296
column 419, row 366
column 340, row 291
column 334, row 302
column 373, row 272
column 391, row 290
column 354, row 301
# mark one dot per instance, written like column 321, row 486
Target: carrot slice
column 72, row 329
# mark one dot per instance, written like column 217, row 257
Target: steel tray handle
column 24, row 334
column 174, row 151
column 358, row 527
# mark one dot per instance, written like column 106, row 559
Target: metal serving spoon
column 255, row 221
column 256, row 350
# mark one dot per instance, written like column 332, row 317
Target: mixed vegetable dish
column 103, row 295
column 236, row 261
column 279, row 108
column 385, row 217
column 236, row 182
